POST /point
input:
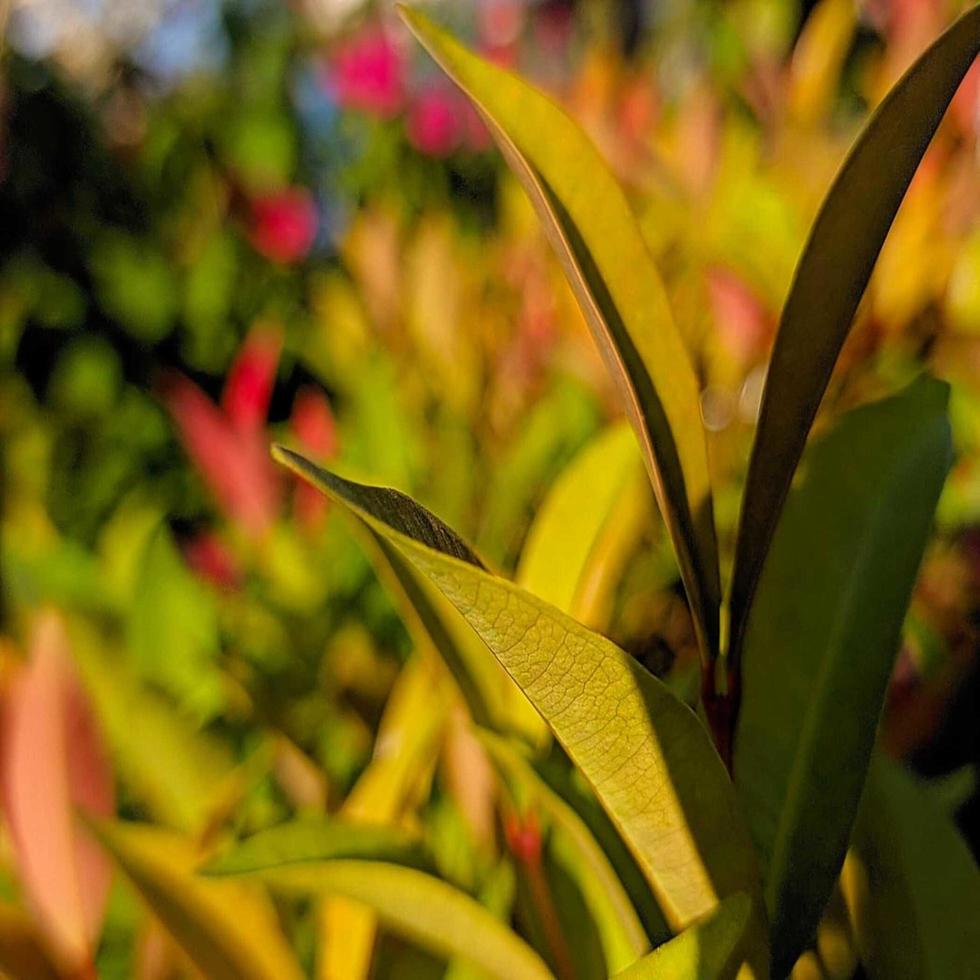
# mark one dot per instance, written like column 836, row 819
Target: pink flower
column 368, row 74
column 284, row 225
column 434, row 123
column 207, row 555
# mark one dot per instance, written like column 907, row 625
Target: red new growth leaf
column 51, row 763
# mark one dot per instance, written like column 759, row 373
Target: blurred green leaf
column 649, row 758
column 822, row 639
column 229, row 932
column 172, row 630
column 135, row 285
column 828, row 284
column 181, row 775
column 313, row 840
column 422, row 908
column 712, row 949
column 912, row 884
column 607, row 263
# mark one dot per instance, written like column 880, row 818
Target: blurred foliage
column 227, row 223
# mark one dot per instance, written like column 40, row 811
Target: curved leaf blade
column 920, row 922
column 713, row 949
column 424, row 909
column 829, row 281
column 822, row 639
column 648, row 757
column 590, row 224
column 228, row 931
column 319, row 839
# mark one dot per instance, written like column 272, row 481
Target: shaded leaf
column 228, row 930
column 319, row 839
column 828, row 284
column 599, row 243
column 649, row 758
column 912, row 884
column 22, row 955
column 822, row 639
column 712, row 949
column 423, row 908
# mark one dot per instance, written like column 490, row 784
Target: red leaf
column 248, row 389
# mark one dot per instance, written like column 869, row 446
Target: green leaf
column 605, row 258
column 712, row 949
column 228, row 930
column 912, row 884
column 822, row 639
column 620, row 931
column 319, row 839
column 828, row 284
column 648, row 757
column 566, row 558
column 424, row 909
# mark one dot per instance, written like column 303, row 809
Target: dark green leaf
column 821, row 641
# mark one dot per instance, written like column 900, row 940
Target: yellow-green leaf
column 422, row 908
column 316, row 839
column 712, row 949
column 912, row 885
column 648, row 757
column 589, row 519
column 227, row 929
column 822, row 640
column 597, row 239
column 828, row 284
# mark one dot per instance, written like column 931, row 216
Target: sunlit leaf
column 319, row 839
column 912, row 884
column 405, row 750
column 566, row 558
column 422, row 908
column 829, row 282
column 712, row 949
column 822, row 639
column 571, row 842
column 52, row 762
column 227, row 929
column 649, row 758
column 607, row 263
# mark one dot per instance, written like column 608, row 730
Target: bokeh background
column 228, row 222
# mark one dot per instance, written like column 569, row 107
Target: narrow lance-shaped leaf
column 828, row 284
column 422, row 908
column 227, row 929
column 822, row 639
column 314, row 840
column 597, row 239
column 912, row 886
column 648, row 757
column 712, row 949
